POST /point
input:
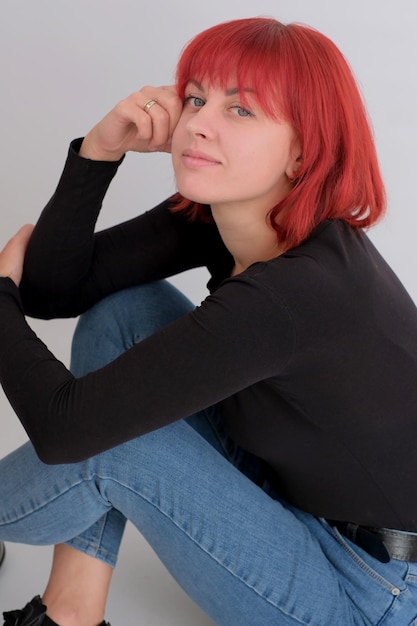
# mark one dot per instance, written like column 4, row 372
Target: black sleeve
column 222, row 347
column 68, row 267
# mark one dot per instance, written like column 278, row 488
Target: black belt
column 383, row 544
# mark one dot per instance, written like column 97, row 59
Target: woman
column 263, row 442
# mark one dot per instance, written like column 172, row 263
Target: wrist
column 89, row 150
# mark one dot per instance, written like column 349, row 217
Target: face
column 225, row 153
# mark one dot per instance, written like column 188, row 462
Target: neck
column 248, row 237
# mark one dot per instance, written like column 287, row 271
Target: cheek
column 180, row 128
column 276, row 154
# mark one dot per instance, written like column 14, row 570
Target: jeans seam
column 95, row 543
column 94, row 548
column 26, row 514
column 364, row 566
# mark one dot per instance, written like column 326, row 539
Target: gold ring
column 149, row 104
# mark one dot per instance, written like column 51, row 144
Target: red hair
column 298, row 75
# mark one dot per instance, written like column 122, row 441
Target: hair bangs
column 243, row 52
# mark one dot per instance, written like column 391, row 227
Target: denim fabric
column 244, row 555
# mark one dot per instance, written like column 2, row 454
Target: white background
column 63, row 65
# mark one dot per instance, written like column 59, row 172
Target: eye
column 194, row 101
column 241, row 112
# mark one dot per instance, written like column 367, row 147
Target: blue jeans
column 244, row 555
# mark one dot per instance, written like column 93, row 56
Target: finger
column 160, row 120
column 138, row 124
column 164, row 108
column 148, row 118
column 144, row 132
column 173, row 104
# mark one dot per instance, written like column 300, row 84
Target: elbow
column 35, row 303
column 50, row 455
column 55, row 453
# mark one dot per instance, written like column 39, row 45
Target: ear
column 295, row 161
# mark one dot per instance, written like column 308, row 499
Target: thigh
column 239, row 553
column 243, row 554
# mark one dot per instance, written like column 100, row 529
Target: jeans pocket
column 381, row 594
column 389, row 576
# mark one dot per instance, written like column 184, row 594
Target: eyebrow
column 230, row 92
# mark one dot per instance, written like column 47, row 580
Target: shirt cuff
column 75, row 147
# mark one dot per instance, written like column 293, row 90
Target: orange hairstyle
column 298, row 75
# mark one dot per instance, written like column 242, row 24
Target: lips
column 196, row 158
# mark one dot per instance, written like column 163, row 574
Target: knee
column 123, row 319
column 101, row 321
column 98, row 338
column 111, row 326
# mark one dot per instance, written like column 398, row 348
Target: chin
column 198, row 196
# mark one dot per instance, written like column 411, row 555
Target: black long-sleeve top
column 311, row 357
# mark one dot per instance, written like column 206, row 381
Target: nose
column 202, row 123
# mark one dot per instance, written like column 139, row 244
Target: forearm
column 61, row 247
column 198, row 360
column 21, row 357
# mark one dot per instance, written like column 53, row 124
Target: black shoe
column 34, row 614
column 2, row 552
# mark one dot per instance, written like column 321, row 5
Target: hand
column 13, row 254
column 129, row 127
